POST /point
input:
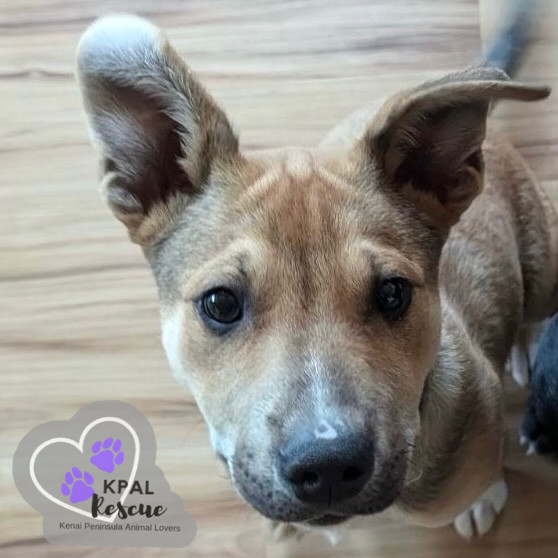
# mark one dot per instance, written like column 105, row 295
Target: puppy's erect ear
column 426, row 143
column 159, row 132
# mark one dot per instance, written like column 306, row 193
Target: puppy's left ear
column 426, row 143
column 159, row 133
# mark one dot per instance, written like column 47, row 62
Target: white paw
column 523, row 352
column 529, row 446
column 519, row 364
column 284, row 531
column 480, row 517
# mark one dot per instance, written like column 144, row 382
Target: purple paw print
column 110, row 455
column 78, row 490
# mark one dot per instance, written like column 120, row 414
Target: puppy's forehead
column 300, row 221
column 299, row 204
column 305, row 203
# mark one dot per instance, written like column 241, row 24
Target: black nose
column 326, row 471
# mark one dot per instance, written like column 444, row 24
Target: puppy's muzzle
column 326, row 471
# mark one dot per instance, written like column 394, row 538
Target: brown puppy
column 343, row 314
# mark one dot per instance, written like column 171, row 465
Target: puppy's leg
column 480, row 517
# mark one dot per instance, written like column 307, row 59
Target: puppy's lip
column 327, row 520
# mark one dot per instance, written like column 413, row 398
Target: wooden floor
column 78, row 318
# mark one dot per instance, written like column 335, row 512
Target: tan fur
column 308, row 234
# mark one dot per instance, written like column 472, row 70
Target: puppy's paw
column 280, row 531
column 518, row 364
column 480, row 517
column 536, row 435
column 285, row 531
column 539, row 428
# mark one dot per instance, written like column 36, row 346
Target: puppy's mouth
column 327, row 520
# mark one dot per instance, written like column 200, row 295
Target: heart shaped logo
column 95, row 481
column 106, row 456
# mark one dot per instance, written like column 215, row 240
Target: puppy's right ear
column 426, row 143
column 159, row 133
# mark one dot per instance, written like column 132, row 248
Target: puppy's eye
column 393, row 297
column 222, row 306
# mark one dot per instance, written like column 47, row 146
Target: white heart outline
column 79, row 446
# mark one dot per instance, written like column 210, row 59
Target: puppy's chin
column 290, row 511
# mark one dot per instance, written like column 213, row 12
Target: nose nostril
column 306, row 478
column 351, row 474
column 309, row 477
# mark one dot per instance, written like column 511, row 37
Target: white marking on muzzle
column 320, row 389
column 329, row 424
column 325, row 431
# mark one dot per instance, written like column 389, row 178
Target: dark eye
column 222, row 306
column 393, row 297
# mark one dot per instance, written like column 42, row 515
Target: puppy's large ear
column 426, row 143
column 158, row 131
